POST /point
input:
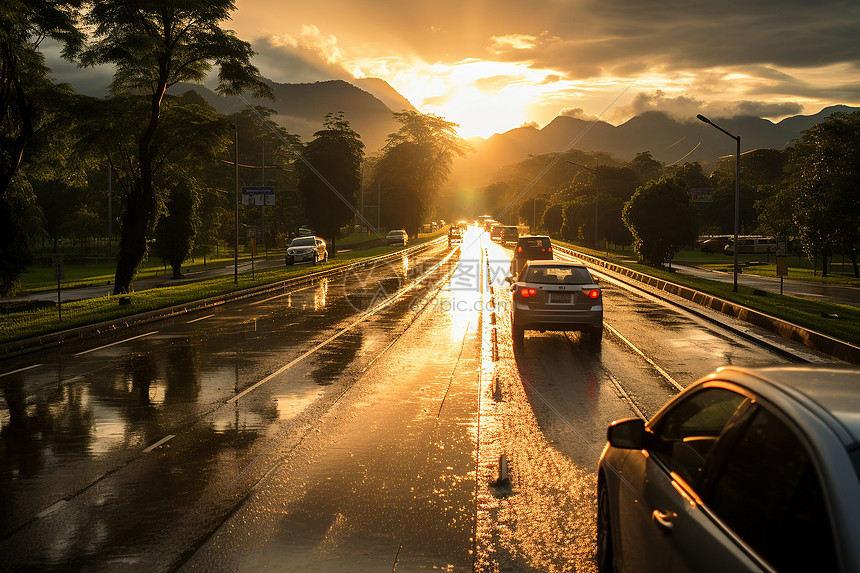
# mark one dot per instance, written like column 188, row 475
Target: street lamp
column 236, row 205
column 737, row 139
column 596, row 198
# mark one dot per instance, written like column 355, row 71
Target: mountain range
column 368, row 105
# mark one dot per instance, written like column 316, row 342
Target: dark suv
column 530, row 248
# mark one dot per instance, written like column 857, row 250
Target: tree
column 661, row 218
column 553, row 219
column 823, row 178
column 153, row 46
column 174, row 234
column 646, row 167
column 329, row 177
column 415, row 162
column 531, row 209
column 28, row 104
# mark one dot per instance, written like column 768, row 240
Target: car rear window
column 303, row 242
column 533, row 243
column 559, row 275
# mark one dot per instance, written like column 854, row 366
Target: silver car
column 746, row 470
column 306, row 249
column 397, row 237
column 556, row 295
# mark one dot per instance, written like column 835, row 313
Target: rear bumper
column 556, row 319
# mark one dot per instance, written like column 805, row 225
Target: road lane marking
column 653, row 364
column 19, row 370
column 115, row 343
column 52, row 509
column 201, row 318
column 158, row 443
column 281, row 295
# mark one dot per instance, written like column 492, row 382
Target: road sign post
column 59, row 273
column 781, row 260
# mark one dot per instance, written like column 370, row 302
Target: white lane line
column 51, row 509
column 19, row 370
column 281, row 295
column 349, row 327
column 653, row 364
column 115, row 343
column 201, row 318
column 158, row 443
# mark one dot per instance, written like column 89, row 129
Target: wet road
column 355, row 424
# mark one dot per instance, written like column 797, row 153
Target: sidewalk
column 831, row 293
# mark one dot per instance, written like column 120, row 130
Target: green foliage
column 823, row 178
column 532, row 209
column 154, row 45
column 414, row 164
column 646, row 167
column 174, row 234
column 15, row 255
column 553, row 219
column 578, row 220
column 329, row 177
column 661, row 218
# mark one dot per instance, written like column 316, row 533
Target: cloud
column 578, row 113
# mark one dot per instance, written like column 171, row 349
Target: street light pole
column 236, row 205
column 737, row 139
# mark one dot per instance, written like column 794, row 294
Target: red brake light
column 519, row 249
column 550, row 249
column 592, row 293
column 527, row 292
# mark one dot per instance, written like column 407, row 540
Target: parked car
column 751, row 245
column 530, row 247
column 714, row 244
column 306, row 249
column 556, row 295
column 397, row 237
column 748, row 469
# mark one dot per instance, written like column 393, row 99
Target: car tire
column 518, row 335
column 325, row 257
column 595, row 335
column 605, row 553
column 290, row 261
column 316, row 259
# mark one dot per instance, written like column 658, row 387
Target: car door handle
column 664, row 519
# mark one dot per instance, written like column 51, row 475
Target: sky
column 491, row 66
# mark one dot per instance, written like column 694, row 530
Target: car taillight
column 549, row 249
column 519, row 249
column 527, row 292
column 592, row 292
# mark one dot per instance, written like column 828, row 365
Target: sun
column 481, row 97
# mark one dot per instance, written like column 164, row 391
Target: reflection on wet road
column 353, row 423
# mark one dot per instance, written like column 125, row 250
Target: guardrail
column 33, row 344
column 815, row 340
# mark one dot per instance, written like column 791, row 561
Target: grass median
column 819, row 316
column 19, row 325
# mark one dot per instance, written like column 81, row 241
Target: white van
column 752, row 245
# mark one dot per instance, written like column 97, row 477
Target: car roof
column 555, row 263
column 832, row 393
column 534, row 237
column 396, row 231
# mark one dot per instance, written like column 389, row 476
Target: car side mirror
column 509, row 279
column 629, row 434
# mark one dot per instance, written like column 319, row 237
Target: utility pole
column 236, row 205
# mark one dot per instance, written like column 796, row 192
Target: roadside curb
column 810, row 338
column 36, row 343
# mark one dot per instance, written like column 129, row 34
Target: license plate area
column 559, row 297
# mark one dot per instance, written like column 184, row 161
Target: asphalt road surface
column 359, row 423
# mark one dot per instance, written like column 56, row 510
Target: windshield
column 396, row 233
column 559, row 275
column 303, row 242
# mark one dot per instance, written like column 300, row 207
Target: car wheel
column 518, row 335
column 316, row 258
column 605, row 555
column 290, row 261
column 595, row 335
column 325, row 257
